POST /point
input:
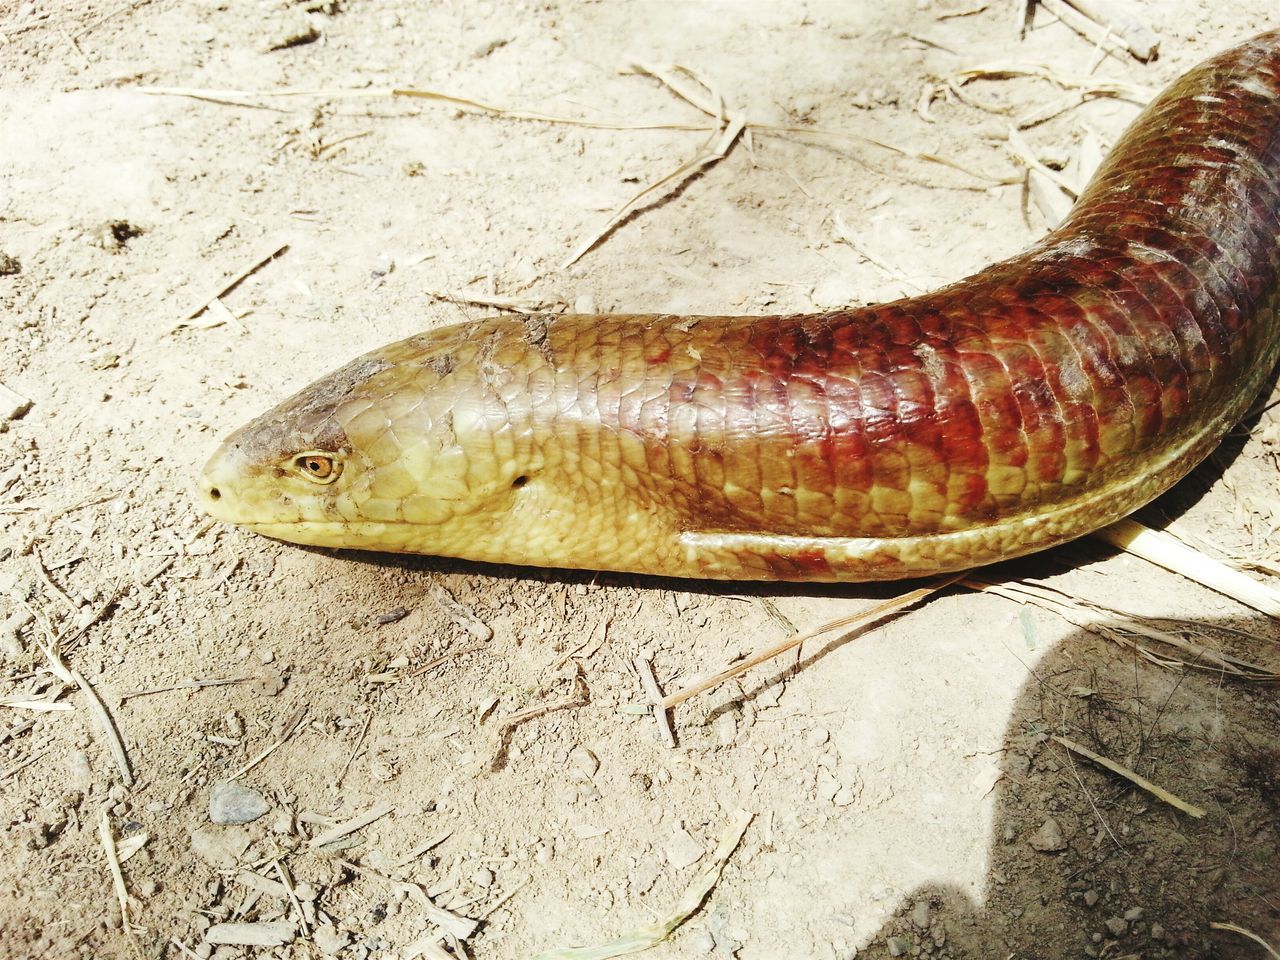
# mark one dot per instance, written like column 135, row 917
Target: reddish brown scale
column 1022, row 383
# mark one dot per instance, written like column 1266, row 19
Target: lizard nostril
column 215, row 493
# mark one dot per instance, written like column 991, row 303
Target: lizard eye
column 319, row 467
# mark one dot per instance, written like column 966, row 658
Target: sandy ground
column 906, row 796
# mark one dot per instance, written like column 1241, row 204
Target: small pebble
column 269, row 682
column 483, row 878
column 833, row 293
column 274, row 933
column 582, row 764
column 845, row 796
column 586, row 303
column 920, row 914
column 1091, row 898
column 702, row 942
column 394, row 615
column 329, row 939
column 231, row 803
column 726, row 729
column 682, row 850
column 1157, row 932
column 1116, row 926
column 1133, row 913
column 898, row 946
column 1048, row 839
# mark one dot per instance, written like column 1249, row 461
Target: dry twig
column 1232, row 928
column 201, row 305
column 1169, row 552
column 654, row 695
column 290, row 726
column 186, row 685
column 1100, row 23
column 688, row 904
column 355, row 751
column 1136, row 779
column 108, row 726
column 867, row 616
column 376, row 812
column 578, row 698
column 117, row 880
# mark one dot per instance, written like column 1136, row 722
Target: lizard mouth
column 352, row 535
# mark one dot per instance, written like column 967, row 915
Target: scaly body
column 1042, row 398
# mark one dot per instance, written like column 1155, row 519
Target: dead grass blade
column 688, row 904
column 337, row 832
column 1021, row 151
column 117, row 880
column 880, row 610
column 711, row 153
column 1135, row 778
column 1089, row 86
column 107, row 724
column 292, row 724
column 1129, row 630
column 1007, row 180
column 726, row 129
column 276, row 249
column 185, row 685
column 730, row 127
column 536, row 117
column 1106, row 27
column 966, row 12
column 1232, row 928
column 514, row 304
column 709, row 101
column 252, row 99
column 1165, row 550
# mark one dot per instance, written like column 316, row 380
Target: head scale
column 390, row 452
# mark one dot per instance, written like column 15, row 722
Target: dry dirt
column 901, row 785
